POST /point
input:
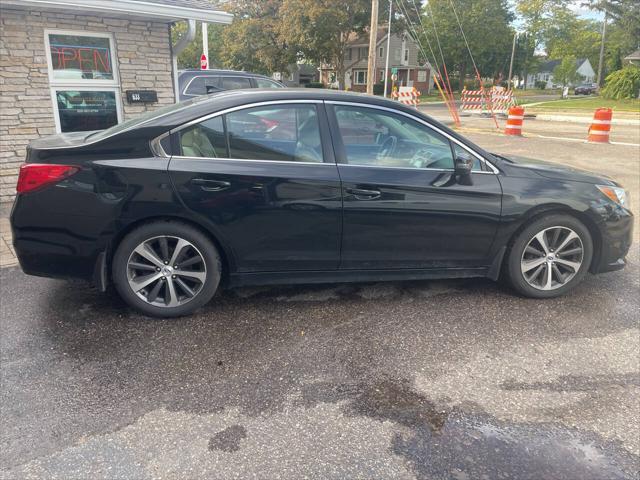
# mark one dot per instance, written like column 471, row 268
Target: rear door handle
column 364, row 194
column 211, row 185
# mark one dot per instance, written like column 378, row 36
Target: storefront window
column 83, row 79
column 86, row 110
column 75, row 57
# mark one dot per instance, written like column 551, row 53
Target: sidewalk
column 7, row 255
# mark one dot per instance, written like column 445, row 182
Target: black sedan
column 586, row 89
column 255, row 187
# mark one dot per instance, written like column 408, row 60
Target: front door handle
column 211, row 185
column 363, row 194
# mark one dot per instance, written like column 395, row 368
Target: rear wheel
column 550, row 256
column 166, row 269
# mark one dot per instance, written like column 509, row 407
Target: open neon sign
column 83, row 58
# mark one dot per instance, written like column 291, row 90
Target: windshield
column 145, row 117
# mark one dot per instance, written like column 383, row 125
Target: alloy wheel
column 552, row 258
column 166, row 271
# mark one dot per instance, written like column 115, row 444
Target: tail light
column 34, row 176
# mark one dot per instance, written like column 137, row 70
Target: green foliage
column 321, row 29
column 190, row 56
column 486, row 24
column 565, row 73
column 624, row 83
column 540, row 85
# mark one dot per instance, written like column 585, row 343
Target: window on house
column 363, row 52
column 422, row 76
column 406, row 55
column 83, row 81
column 360, row 77
column 349, row 53
column 381, row 52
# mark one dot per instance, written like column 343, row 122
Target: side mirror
column 463, row 163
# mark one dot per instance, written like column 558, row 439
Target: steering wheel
column 387, row 147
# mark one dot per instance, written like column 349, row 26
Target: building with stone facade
column 85, row 65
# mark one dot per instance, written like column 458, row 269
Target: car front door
column 266, row 185
column 403, row 205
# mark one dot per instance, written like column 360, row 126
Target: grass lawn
column 519, row 93
column 589, row 103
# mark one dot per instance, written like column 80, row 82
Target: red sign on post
column 203, row 62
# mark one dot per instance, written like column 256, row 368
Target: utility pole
column 601, row 59
column 386, row 63
column 513, row 52
column 373, row 35
column 205, row 43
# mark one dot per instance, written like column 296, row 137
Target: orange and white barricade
column 501, row 99
column 600, row 126
column 407, row 96
column 514, row 121
column 472, row 100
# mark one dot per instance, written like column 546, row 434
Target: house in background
column 413, row 70
column 633, row 58
column 298, row 75
column 545, row 73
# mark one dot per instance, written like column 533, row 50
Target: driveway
column 429, row 380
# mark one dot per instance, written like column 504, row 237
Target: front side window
column 83, row 80
column 379, row 138
column 234, row 83
column 279, row 132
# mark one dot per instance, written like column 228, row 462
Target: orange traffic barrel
column 600, row 126
column 514, row 121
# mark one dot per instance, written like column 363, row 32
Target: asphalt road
column 428, row 380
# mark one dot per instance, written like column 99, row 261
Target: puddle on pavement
column 440, row 443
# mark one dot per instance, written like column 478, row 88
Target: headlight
column 615, row 194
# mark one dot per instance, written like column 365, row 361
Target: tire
column 143, row 258
column 567, row 257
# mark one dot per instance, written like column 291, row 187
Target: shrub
column 378, row 88
column 540, row 84
column 623, row 83
column 471, row 85
column 314, row 85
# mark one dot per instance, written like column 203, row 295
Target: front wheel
column 166, row 269
column 550, row 256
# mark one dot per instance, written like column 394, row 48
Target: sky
column 584, row 12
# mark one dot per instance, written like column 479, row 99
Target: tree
column 253, row 41
column 322, row 28
column 623, row 83
column 190, row 56
column 486, row 26
column 565, row 73
column 537, row 17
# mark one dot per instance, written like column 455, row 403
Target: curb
column 585, row 120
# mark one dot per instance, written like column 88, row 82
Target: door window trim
column 492, row 169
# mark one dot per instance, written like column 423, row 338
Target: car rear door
column 264, row 178
column 403, row 205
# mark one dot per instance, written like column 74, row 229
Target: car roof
column 218, row 101
column 223, row 73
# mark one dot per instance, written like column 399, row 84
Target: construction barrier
column 477, row 100
column 514, row 121
column 407, row 96
column 600, row 126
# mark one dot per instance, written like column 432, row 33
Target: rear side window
column 205, row 139
column 265, row 83
column 285, row 133
column 233, row 83
column 199, row 85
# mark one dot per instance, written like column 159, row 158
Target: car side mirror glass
column 463, row 163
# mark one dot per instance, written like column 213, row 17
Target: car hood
column 554, row 171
